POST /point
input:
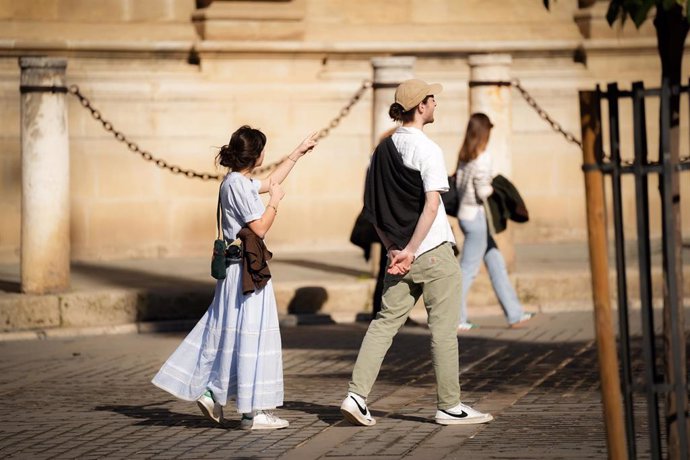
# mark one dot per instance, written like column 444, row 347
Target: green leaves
column 637, row 10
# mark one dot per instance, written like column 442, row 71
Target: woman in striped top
column 473, row 180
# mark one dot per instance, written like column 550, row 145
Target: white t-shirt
column 424, row 155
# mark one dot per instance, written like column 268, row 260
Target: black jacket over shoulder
column 506, row 203
column 393, row 194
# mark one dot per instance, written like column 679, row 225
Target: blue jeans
column 479, row 244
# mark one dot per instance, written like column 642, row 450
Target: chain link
column 345, row 111
column 134, row 147
column 366, row 84
column 542, row 113
column 324, row 132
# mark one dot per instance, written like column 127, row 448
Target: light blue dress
column 235, row 348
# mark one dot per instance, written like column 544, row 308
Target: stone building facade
column 178, row 76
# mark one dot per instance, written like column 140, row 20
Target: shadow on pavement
column 324, row 267
column 332, row 416
column 307, row 299
column 155, row 415
column 10, row 286
column 133, row 278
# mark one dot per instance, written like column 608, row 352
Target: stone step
column 339, row 300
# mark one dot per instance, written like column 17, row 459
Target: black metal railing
column 652, row 383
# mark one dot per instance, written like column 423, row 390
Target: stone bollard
column 45, row 229
column 490, row 93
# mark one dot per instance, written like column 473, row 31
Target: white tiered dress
column 235, row 348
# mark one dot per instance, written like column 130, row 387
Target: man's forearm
column 421, row 230
column 426, row 219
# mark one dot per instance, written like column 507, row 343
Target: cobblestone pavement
column 91, row 397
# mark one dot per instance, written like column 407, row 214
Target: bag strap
column 219, row 208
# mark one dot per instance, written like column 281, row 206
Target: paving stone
column 91, row 397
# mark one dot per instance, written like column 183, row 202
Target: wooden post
column 590, row 119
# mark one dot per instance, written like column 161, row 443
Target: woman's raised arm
column 284, row 168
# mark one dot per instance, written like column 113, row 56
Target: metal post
column 45, row 234
column 621, row 275
column 598, row 256
column 645, row 264
column 675, row 351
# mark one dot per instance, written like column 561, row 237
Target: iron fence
column 652, row 383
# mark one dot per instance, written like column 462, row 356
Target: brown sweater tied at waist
column 255, row 257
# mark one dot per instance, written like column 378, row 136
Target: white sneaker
column 263, row 420
column 461, row 415
column 211, row 409
column 354, row 409
column 523, row 319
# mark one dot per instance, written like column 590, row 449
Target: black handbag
column 450, row 199
column 223, row 253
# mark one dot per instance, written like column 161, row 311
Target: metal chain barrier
column 558, row 128
column 133, row 146
column 542, row 113
column 324, row 132
column 366, row 84
column 345, row 111
column 146, row 155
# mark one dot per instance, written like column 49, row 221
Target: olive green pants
column 435, row 275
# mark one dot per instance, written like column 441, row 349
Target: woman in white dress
column 234, row 351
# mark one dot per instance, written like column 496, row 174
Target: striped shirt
column 473, row 181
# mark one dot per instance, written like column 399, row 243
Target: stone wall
column 178, row 80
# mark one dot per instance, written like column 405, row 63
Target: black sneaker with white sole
column 354, row 409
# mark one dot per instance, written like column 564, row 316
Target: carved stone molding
column 250, row 19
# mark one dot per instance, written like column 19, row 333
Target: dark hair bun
column 396, row 111
column 244, row 148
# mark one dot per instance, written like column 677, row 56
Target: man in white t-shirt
column 402, row 200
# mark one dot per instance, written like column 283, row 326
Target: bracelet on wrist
column 275, row 210
column 290, row 158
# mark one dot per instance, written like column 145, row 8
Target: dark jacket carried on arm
column 255, row 257
column 506, row 203
column 393, row 194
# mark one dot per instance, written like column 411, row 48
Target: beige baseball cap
column 411, row 92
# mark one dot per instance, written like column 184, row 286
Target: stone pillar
column 45, row 235
column 490, row 93
column 389, row 72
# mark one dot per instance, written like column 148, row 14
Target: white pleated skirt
column 234, row 350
